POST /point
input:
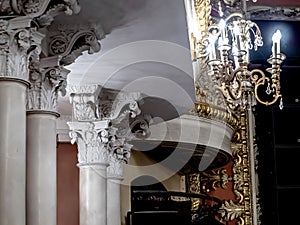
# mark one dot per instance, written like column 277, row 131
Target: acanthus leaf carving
column 45, row 85
column 17, row 43
column 92, row 139
column 85, row 100
column 41, row 11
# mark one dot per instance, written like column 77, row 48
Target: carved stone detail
column 92, row 139
column 43, row 11
column 93, row 106
column 45, row 84
column 119, row 153
column 71, row 40
column 113, row 104
column 17, row 42
column 85, row 102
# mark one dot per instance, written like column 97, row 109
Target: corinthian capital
column 92, row 139
column 119, row 153
column 85, row 102
column 17, row 42
column 45, row 84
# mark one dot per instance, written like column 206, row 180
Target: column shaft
column 113, row 201
column 41, row 167
column 93, row 199
column 12, row 151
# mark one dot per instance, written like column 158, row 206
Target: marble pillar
column 18, row 41
column 45, row 83
column 91, row 136
column 92, row 139
column 119, row 154
column 101, row 149
column 92, row 194
column 12, row 150
column 114, row 201
column 41, row 167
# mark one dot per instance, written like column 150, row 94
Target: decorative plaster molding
column 119, row 153
column 43, row 11
column 17, row 42
column 70, row 40
column 113, row 104
column 92, row 139
column 85, row 102
column 45, row 84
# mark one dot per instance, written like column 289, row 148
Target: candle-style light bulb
column 212, row 48
column 222, row 25
column 276, row 43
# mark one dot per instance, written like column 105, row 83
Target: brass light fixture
column 229, row 43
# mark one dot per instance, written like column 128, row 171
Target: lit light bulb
column 276, row 43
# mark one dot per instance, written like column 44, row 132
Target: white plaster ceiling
column 146, row 50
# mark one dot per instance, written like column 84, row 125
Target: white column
column 41, row 168
column 17, row 41
column 101, row 153
column 91, row 136
column 119, row 154
column 12, row 151
column 93, row 194
column 45, row 83
column 114, row 201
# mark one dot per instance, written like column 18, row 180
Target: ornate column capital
column 119, row 153
column 93, row 105
column 18, row 41
column 85, row 100
column 46, row 81
column 92, row 139
column 41, row 11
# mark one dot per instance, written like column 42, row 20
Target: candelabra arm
column 260, row 80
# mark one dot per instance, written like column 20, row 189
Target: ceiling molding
column 274, row 13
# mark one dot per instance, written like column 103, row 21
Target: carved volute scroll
column 42, row 11
column 92, row 139
column 100, row 117
column 20, row 40
column 17, row 41
column 45, row 85
column 70, row 40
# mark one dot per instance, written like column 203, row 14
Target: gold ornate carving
column 212, row 112
column 203, row 11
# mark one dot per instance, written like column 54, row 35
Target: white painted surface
column 41, row 168
column 12, row 152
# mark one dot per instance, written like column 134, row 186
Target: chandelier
column 229, row 43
